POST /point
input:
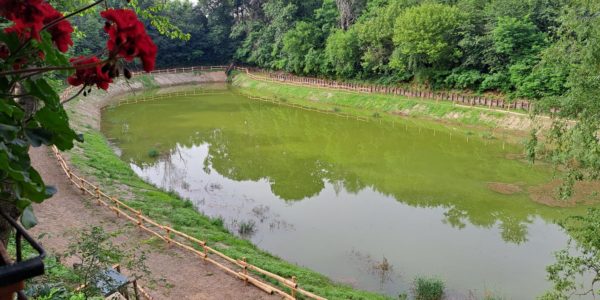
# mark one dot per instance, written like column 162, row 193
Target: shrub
column 218, row 222
column 428, row 288
column 153, row 153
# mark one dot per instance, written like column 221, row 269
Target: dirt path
column 175, row 274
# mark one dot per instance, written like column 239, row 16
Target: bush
column 153, row 153
column 464, row 79
column 428, row 288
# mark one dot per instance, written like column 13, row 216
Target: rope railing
column 148, row 98
column 184, row 70
column 288, row 79
column 457, row 98
column 308, row 108
column 239, row 268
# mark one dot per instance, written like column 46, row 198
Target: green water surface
column 341, row 196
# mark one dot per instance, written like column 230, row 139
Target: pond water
column 368, row 204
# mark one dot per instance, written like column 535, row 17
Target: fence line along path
column 238, row 267
column 288, row 79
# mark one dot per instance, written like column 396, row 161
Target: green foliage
column 428, row 288
column 33, row 119
column 426, row 36
column 574, row 145
column 465, row 79
column 341, row 53
column 150, row 10
column 577, row 268
column 153, row 153
column 95, row 253
column 297, row 43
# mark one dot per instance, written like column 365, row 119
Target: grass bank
column 380, row 106
column 95, row 158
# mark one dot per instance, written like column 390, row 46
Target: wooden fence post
column 295, row 281
column 245, row 270
column 97, row 190
column 82, row 186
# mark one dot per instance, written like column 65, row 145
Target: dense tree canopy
column 480, row 45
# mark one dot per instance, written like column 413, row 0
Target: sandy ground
column 175, row 274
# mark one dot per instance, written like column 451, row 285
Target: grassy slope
column 97, row 159
column 365, row 104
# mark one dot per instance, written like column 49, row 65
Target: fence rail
column 164, row 96
column 471, row 100
column 288, row 79
column 239, row 268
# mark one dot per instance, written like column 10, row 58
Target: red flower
column 89, row 75
column 61, row 31
column 128, row 37
column 27, row 16
column 30, row 16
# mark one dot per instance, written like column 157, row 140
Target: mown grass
column 367, row 105
column 98, row 159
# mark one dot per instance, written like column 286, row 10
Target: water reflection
column 365, row 204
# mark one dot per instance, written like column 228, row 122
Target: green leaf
column 43, row 91
column 28, row 218
column 57, row 123
column 38, row 136
column 8, row 132
column 51, row 190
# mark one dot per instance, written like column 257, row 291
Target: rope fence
column 288, row 79
column 464, row 99
column 307, row 108
column 163, row 96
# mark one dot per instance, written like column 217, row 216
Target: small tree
column 426, row 36
column 95, row 253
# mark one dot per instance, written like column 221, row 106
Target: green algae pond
column 371, row 204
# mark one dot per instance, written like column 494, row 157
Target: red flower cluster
column 128, row 37
column 89, row 75
column 30, row 16
column 61, row 31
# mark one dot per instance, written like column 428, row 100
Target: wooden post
column 98, row 195
column 117, row 204
column 135, row 290
column 139, row 218
column 245, row 270
column 203, row 244
column 82, row 187
column 168, row 234
column 295, row 281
